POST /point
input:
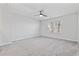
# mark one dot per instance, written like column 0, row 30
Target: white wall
column 0, row 25
column 16, row 26
column 69, row 32
column 78, row 26
column 22, row 27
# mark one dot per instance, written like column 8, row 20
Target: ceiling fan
column 41, row 14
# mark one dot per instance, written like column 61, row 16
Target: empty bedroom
column 39, row 29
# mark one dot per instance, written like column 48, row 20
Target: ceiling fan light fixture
column 41, row 15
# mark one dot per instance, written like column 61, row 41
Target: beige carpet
column 40, row 46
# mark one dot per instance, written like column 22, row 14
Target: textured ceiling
column 51, row 9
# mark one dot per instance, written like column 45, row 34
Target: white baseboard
column 59, row 38
column 3, row 44
column 21, row 38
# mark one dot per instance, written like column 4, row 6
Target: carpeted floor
column 40, row 46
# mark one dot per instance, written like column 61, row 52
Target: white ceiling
column 51, row 9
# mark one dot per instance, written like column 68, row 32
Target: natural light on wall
column 55, row 27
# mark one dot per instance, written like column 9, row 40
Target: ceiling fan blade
column 37, row 15
column 45, row 15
